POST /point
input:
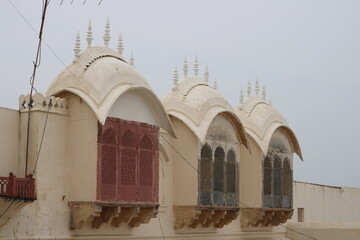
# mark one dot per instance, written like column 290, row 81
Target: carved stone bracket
column 10, row 206
column 265, row 217
column 98, row 213
column 192, row 216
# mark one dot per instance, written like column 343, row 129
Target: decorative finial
column 89, row 37
column 176, row 76
column 132, row 60
column 107, row 33
column 215, row 83
column 120, row 47
column 264, row 93
column 241, row 96
column 196, row 67
column 270, row 102
column 77, row 45
column 249, row 89
column 206, row 74
column 257, row 88
column 186, row 68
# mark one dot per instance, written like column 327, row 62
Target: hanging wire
column 161, row 228
column 241, row 203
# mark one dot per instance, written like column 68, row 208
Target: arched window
column 146, row 169
column 231, row 179
column 267, row 182
column 127, row 176
column 108, row 164
column 277, row 182
column 219, row 176
column 286, row 184
column 205, row 175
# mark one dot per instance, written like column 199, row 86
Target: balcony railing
column 13, row 187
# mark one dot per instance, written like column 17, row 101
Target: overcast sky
column 307, row 53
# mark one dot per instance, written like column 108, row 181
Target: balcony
column 15, row 193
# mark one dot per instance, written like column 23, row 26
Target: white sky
column 307, row 53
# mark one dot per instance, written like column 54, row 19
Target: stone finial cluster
column 215, row 84
column 42, row 103
column 256, row 91
column 107, row 36
column 196, row 71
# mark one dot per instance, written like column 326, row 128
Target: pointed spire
column 176, row 76
column 185, row 68
column 77, row 45
column 196, row 67
column 257, row 88
column 241, row 96
column 270, row 102
column 89, row 36
column 263, row 93
column 106, row 36
column 132, row 60
column 215, row 83
column 206, row 74
column 120, row 47
column 249, row 89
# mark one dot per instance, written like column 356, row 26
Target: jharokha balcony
column 14, row 194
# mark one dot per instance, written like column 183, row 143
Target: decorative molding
column 254, row 217
column 206, row 216
column 43, row 103
column 98, row 213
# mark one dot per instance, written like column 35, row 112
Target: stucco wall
column 9, row 141
column 326, row 204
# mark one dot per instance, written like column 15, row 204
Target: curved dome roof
column 195, row 103
column 99, row 76
column 261, row 120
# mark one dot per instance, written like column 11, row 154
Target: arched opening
column 128, row 167
column 205, row 175
column 277, row 182
column 286, row 184
column 107, row 150
column 219, row 167
column 146, row 169
column 267, row 182
column 231, row 179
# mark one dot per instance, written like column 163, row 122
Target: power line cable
column 162, row 232
column 257, row 212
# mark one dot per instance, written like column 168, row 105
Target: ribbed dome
column 99, row 76
column 195, row 103
column 261, row 120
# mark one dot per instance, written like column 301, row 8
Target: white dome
column 99, row 76
column 261, row 120
column 195, row 103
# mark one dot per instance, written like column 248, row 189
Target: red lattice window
column 127, row 165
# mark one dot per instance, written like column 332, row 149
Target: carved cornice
column 265, row 217
column 113, row 213
column 192, row 216
column 42, row 103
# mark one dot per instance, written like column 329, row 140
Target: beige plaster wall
column 48, row 215
column 82, row 160
column 251, row 175
column 9, row 141
column 324, row 231
column 185, row 177
column 326, row 204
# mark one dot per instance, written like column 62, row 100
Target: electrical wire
column 241, row 203
column 161, row 228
